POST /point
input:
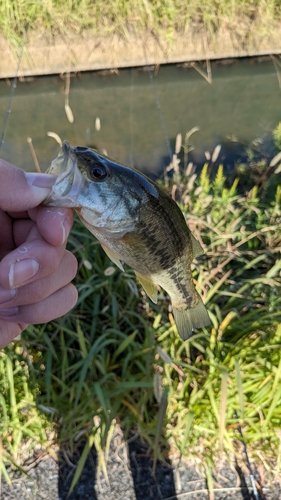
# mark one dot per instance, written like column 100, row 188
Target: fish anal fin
column 196, row 247
column 112, row 256
column 149, row 287
column 188, row 319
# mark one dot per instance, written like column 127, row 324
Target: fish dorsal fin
column 149, row 287
column 196, row 247
column 112, row 256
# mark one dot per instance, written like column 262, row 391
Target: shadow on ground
column 140, row 484
column 130, row 477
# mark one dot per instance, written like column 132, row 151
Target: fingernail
column 66, row 226
column 6, row 295
column 10, row 311
column 22, row 271
column 41, row 180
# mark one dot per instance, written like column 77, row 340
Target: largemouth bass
column 136, row 222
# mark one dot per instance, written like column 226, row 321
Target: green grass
column 117, row 358
column 243, row 18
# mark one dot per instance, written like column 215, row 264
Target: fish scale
column 172, row 242
column 136, row 222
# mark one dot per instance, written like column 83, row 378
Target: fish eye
column 97, row 172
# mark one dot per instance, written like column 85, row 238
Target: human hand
column 35, row 267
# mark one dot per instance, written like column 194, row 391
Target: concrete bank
column 44, row 54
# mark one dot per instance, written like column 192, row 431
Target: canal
column 138, row 112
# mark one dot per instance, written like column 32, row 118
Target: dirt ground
column 130, row 477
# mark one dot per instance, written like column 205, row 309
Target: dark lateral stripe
column 164, row 250
column 180, row 282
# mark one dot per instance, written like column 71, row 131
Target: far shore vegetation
column 242, row 18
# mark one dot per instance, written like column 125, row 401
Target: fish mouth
column 67, row 187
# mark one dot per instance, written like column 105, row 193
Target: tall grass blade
column 159, row 427
column 223, row 406
column 210, row 482
column 240, row 389
column 188, row 425
column 81, row 463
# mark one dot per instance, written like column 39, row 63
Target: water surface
column 244, row 101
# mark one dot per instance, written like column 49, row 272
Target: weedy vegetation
column 244, row 19
column 116, row 358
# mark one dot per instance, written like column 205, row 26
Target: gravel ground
column 130, row 478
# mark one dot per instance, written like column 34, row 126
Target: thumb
column 20, row 191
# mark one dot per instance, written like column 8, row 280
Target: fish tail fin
column 188, row 319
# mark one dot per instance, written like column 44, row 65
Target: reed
column 243, row 18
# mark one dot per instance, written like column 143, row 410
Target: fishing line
column 13, row 88
column 159, row 108
column 251, row 474
column 132, row 146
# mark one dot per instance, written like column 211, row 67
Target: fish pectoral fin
column 149, row 287
column 196, row 247
column 112, row 256
column 188, row 319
